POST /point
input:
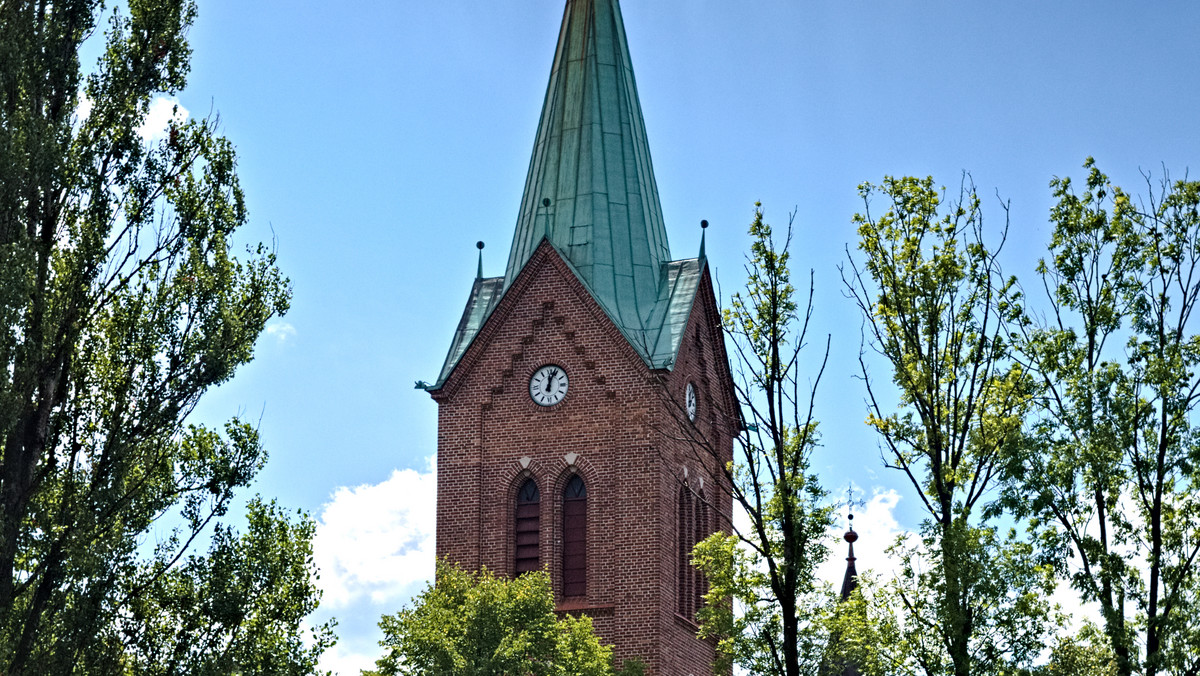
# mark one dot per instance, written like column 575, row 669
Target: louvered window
column 526, row 551
column 574, row 563
column 691, row 528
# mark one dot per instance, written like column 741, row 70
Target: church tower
column 586, row 409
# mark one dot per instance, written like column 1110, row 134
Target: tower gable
column 493, row 438
column 655, row 340
column 486, row 315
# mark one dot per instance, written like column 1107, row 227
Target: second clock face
column 548, row 385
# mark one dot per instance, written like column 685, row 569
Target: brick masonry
column 623, row 427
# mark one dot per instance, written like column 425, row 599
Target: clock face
column 548, row 385
column 691, row 402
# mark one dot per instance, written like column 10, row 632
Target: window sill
column 582, row 607
column 686, row 623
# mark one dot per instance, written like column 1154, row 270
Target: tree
column 482, row 625
column 1087, row 652
column 120, row 305
column 935, row 307
column 197, row 618
column 1111, row 486
column 767, row 569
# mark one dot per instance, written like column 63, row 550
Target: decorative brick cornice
column 545, row 255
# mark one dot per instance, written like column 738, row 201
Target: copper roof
column 591, row 194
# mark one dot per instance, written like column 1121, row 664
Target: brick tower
column 577, row 384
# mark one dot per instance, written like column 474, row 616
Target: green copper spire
column 590, row 188
column 591, row 193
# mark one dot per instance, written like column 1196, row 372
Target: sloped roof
column 590, row 188
column 485, row 293
column 657, row 340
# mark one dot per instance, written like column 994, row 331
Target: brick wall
column 621, row 427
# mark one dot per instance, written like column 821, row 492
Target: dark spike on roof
column 850, row 581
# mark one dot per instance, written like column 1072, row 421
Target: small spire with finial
column 850, row 582
column 703, row 227
column 479, row 270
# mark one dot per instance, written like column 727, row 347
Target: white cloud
column 877, row 529
column 281, row 330
column 84, row 109
column 375, row 542
column 343, row 662
column 162, row 111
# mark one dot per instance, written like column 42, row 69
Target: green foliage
column 1008, row 592
column 935, row 306
column 121, row 303
column 196, row 617
column 865, row 634
column 767, row 570
column 1110, row 487
column 745, row 618
column 1085, row 653
column 481, row 625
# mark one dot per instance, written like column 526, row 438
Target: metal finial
column 703, row 227
column 479, row 270
column 850, row 536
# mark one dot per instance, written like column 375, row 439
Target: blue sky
column 379, row 140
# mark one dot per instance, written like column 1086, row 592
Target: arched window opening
column 574, row 562
column 692, row 527
column 685, row 570
column 526, row 551
column 702, row 530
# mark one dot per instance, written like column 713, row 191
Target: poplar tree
column 121, row 302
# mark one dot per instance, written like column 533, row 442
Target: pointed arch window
column 574, row 552
column 526, row 544
column 692, row 526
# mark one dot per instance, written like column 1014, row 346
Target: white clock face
column 548, row 385
column 691, row 402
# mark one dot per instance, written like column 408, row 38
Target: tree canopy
column 767, row 567
column 122, row 301
column 936, row 306
column 1110, row 485
column 477, row 624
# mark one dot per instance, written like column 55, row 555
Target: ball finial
column 479, row 245
column 703, row 224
